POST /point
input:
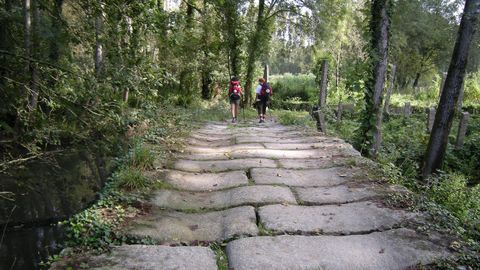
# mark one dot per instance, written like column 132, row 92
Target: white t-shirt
column 258, row 89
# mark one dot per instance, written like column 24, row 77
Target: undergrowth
column 102, row 225
column 451, row 197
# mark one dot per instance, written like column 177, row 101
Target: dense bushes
column 296, row 87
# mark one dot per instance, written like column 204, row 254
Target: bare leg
column 232, row 108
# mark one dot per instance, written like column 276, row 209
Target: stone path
column 276, row 198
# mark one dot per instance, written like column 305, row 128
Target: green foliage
column 294, row 118
column 130, row 178
column 100, row 226
column 220, row 255
column 95, row 228
column 423, row 35
column 140, row 157
column 472, row 88
column 290, row 86
column 452, row 192
column 450, row 197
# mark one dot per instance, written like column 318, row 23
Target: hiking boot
column 261, row 121
column 234, row 120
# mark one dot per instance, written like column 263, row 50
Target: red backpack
column 235, row 90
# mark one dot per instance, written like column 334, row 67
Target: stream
column 46, row 191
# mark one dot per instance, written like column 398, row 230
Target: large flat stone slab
column 332, row 195
column 327, row 144
column 360, row 217
column 265, row 138
column 393, row 250
column 303, row 178
column 135, row 257
column 216, row 143
column 174, row 227
column 223, row 165
column 205, row 181
column 212, row 138
column 252, row 195
column 223, row 149
column 318, row 163
column 265, row 153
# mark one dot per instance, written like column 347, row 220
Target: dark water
column 26, row 248
column 45, row 191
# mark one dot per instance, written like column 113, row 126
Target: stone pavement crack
column 272, row 197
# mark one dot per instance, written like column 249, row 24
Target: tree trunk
column 442, row 83
column 206, row 81
column 438, row 142
column 389, row 90
column 322, row 95
column 337, row 70
column 32, row 105
column 98, row 39
column 56, row 31
column 252, row 52
column 372, row 123
column 206, row 69
column 234, row 42
column 5, row 42
column 266, row 72
column 27, row 28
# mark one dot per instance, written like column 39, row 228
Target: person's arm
column 257, row 92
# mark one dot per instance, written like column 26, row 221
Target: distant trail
column 278, row 198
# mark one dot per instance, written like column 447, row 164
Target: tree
column 232, row 24
column 260, row 37
column 371, row 129
column 5, row 43
column 422, row 38
column 98, row 57
column 253, row 49
column 438, row 142
column 34, row 53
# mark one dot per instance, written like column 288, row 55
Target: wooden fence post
column 339, row 111
column 319, row 117
column 462, row 130
column 460, row 99
column 407, row 110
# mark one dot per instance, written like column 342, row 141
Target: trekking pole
column 243, row 111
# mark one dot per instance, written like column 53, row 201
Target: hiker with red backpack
column 234, row 94
column 263, row 93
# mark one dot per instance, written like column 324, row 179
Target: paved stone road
column 279, row 199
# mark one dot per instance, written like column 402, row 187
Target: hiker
column 234, row 94
column 263, row 93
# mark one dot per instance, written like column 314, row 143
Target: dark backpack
column 266, row 90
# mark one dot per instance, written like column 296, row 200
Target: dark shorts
column 236, row 102
column 262, row 105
